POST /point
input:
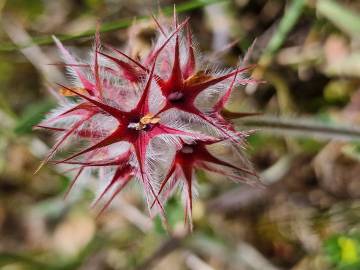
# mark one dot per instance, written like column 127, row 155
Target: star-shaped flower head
column 150, row 118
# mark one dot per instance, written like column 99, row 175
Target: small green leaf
column 352, row 150
column 175, row 215
column 344, row 251
column 349, row 252
column 32, row 116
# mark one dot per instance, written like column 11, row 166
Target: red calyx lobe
column 188, row 158
column 184, row 85
column 194, row 155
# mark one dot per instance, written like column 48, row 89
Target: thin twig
column 301, row 127
column 166, row 248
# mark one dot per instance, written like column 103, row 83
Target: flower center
column 145, row 122
column 187, row 150
column 176, row 97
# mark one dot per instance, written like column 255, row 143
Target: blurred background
column 306, row 147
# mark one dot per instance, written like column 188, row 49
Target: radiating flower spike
column 69, row 59
column 190, row 65
column 162, row 31
column 98, row 80
column 150, row 59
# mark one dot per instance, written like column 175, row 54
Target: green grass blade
column 343, row 18
column 10, row 258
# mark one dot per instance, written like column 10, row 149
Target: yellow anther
column 149, row 119
column 197, row 78
column 67, row 93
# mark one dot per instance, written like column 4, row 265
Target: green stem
column 108, row 27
